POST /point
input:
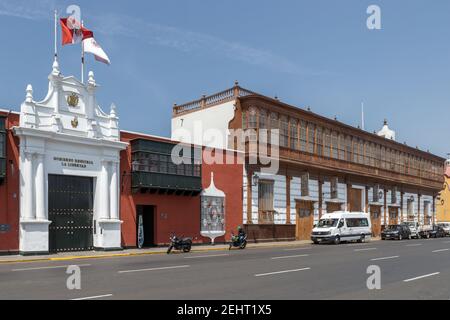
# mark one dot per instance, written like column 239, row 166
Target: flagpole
column 82, row 57
column 56, row 35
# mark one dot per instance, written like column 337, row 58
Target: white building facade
column 324, row 165
column 69, row 169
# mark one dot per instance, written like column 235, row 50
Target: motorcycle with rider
column 239, row 240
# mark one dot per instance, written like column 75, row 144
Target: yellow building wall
column 443, row 204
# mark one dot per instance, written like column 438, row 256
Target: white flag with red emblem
column 91, row 46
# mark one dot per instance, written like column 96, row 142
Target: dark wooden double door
column 70, row 210
column 375, row 219
column 355, row 200
column 305, row 220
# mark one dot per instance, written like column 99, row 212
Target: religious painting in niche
column 213, row 215
column 212, row 212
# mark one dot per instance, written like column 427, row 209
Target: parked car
column 446, row 227
column 414, row 227
column 436, row 231
column 342, row 226
column 396, row 231
column 417, row 230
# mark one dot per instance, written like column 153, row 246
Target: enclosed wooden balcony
column 154, row 171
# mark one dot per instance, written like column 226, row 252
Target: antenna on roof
column 362, row 116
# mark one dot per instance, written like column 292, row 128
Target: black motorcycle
column 238, row 241
column 182, row 244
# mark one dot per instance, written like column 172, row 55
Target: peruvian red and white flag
column 73, row 32
column 91, row 46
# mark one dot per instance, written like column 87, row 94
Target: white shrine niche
column 68, row 124
column 213, row 212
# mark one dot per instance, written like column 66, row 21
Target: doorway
column 145, row 226
column 71, row 211
column 355, row 200
column 393, row 215
column 305, row 219
column 375, row 219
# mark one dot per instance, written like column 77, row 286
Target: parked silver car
column 446, row 227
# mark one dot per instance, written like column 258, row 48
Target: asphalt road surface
column 410, row 269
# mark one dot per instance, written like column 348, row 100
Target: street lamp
column 255, row 179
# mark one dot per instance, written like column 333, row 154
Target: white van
column 342, row 226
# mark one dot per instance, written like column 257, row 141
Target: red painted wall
column 178, row 214
column 9, row 190
column 228, row 177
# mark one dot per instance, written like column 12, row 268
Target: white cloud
column 35, row 10
column 192, row 42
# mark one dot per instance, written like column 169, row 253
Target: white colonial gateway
column 67, row 136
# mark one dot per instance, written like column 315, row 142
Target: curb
column 135, row 254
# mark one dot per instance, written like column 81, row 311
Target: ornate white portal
column 68, row 134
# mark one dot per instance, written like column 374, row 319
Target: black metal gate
column 70, row 209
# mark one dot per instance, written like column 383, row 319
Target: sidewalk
column 138, row 252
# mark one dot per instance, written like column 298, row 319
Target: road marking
column 279, row 272
column 440, row 250
column 154, row 269
column 365, row 249
column 93, row 297
column 294, row 249
column 413, row 245
column 287, row 257
column 207, row 256
column 384, row 258
column 421, row 277
column 445, row 241
column 44, row 268
column 357, row 244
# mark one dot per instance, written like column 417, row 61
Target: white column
column 28, row 213
column 104, row 203
column 39, row 188
column 114, row 200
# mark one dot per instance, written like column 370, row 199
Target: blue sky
column 309, row 53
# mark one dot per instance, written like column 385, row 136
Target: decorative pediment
column 70, row 107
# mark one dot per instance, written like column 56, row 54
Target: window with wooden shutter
column 252, row 118
column 303, row 137
column 410, row 209
column 341, row 147
column 294, row 134
column 334, row 145
column 376, row 192
column 394, row 195
column 311, row 138
column 348, row 148
column 274, row 126
column 262, row 119
column 327, row 143
column 334, row 188
column 305, row 184
column 265, row 201
column 319, row 141
column 284, row 131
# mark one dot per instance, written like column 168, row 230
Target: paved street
column 415, row 269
